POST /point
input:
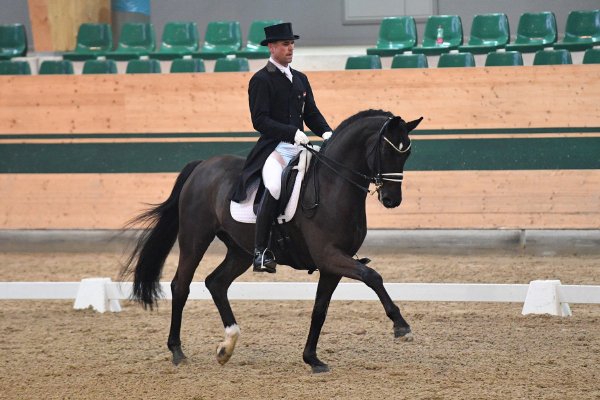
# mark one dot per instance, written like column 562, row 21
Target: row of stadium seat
column 240, row 64
column 489, row 32
column 147, row 66
column 466, row 59
column 94, row 40
column 222, row 38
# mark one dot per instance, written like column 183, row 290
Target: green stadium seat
column 8, row 67
column 552, row 57
column 222, row 39
column 454, row 60
column 13, row 41
column 452, row 35
column 591, row 56
column 136, row 39
column 489, row 32
column 143, row 67
column 535, row 31
column 504, row 59
column 409, row 61
column 233, row 64
column 581, row 32
column 56, row 67
column 99, row 67
column 396, row 35
column 363, row 62
column 256, row 34
column 93, row 40
column 187, row 65
column 178, row 39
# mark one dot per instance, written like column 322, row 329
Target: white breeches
column 273, row 168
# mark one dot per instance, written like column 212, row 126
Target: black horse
column 326, row 231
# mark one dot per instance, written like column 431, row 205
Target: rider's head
column 280, row 39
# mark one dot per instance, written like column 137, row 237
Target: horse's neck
column 351, row 150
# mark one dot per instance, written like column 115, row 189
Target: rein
column 376, row 179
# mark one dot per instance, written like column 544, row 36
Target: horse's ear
column 413, row 124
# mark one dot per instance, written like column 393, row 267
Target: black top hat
column 278, row 32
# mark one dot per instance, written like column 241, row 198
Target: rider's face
column 282, row 51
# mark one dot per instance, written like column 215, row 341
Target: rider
column 281, row 100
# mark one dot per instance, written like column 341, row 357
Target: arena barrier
column 101, row 294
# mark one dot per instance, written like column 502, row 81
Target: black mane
column 363, row 114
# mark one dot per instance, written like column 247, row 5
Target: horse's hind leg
column 236, row 262
column 191, row 251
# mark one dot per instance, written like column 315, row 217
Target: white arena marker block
column 93, row 293
column 542, row 298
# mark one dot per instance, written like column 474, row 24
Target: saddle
column 291, row 182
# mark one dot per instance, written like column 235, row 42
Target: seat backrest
column 187, row 65
column 552, row 57
column 256, row 33
column 450, row 60
column 451, row 26
column 138, row 36
column 221, row 34
column 8, row 67
column 99, row 67
column 583, row 26
column 489, row 29
column 363, row 62
column 504, row 59
column 13, row 40
column 237, row 64
column 591, row 56
column 56, row 67
column 93, row 38
column 539, row 28
column 180, row 36
column 409, row 61
column 397, row 31
column 143, row 67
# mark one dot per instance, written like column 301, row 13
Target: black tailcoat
column 278, row 109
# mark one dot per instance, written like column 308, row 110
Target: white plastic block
column 542, row 298
column 93, row 292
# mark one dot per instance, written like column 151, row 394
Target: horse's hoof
column 406, row 338
column 318, row 369
column 222, row 354
column 178, row 356
column 403, row 334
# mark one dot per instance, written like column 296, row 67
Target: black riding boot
column 264, row 260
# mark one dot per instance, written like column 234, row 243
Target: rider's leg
column 267, row 212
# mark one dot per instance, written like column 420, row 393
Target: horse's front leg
column 351, row 268
column 327, row 284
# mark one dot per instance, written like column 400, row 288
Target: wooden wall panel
column 456, row 199
column 448, row 98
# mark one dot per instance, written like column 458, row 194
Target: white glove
column 300, row 138
column 327, row 135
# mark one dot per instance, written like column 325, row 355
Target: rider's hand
column 300, row 138
column 327, row 135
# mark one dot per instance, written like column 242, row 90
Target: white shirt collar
column 286, row 70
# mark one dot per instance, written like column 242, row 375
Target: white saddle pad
column 244, row 212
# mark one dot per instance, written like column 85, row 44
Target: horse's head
column 391, row 150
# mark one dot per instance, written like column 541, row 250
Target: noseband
column 377, row 179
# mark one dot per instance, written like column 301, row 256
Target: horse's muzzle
column 390, row 203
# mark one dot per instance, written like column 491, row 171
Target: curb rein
column 377, row 179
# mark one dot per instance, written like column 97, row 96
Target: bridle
column 377, row 179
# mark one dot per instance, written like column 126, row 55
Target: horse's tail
column 161, row 225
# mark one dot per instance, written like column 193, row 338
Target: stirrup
column 264, row 261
